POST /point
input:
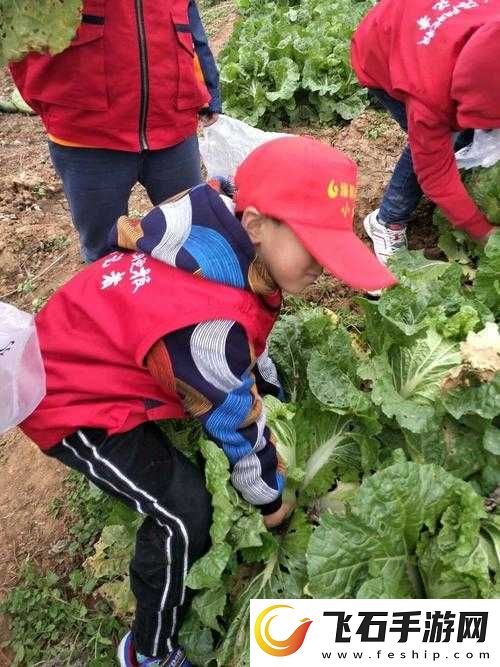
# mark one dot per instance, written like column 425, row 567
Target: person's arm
column 266, row 377
column 206, row 59
column 431, row 143
column 211, row 365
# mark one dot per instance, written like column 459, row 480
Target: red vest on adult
column 126, row 82
column 439, row 57
column 96, row 331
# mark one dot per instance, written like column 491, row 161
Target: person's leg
column 145, row 471
column 386, row 226
column 403, row 192
column 97, row 184
column 164, row 173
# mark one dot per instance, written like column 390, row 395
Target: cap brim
column 344, row 255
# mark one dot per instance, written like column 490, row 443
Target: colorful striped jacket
column 217, row 375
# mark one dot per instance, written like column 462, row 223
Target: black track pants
column 145, row 471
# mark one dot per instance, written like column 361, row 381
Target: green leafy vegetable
column 289, row 61
column 487, row 283
column 413, row 530
column 45, row 25
column 483, row 185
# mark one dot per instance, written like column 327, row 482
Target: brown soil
column 29, row 481
column 222, row 34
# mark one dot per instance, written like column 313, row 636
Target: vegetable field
column 391, row 429
column 391, row 441
column 289, row 62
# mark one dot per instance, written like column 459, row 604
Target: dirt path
column 29, row 480
column 224, row 34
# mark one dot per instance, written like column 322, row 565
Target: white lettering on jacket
column 431, row 24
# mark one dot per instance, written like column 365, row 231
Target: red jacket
column 441, row 58
column 129, row 80
column 96, row 331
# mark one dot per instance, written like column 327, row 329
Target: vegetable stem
column 415, row 578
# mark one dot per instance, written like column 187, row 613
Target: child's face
column 288, row 262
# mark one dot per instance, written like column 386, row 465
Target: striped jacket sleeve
column 266, row 377
column 215, row 377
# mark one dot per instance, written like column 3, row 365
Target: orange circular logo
column 279, row 647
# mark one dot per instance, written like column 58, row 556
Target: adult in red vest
column 434, row 65
column 175, row 323
column 121, row 106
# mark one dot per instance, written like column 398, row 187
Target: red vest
column 127, row 81
column 96, row 331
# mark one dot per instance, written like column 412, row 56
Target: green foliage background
column 36, row 26
column 289, row 62
column 483, row 184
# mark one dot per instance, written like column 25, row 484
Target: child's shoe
column 386, row 240
column 128, row 657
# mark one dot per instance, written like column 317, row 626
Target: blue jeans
column 98, row 182
column 403, row 193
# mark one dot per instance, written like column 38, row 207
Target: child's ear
column 253, row 224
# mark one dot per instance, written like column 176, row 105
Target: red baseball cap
column 311, row 187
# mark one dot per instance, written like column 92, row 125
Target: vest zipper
column 144, row 75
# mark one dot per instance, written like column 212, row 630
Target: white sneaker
column 386, row 241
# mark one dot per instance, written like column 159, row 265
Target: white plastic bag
column 484, row 151
column 227, row 142
column 22, row 374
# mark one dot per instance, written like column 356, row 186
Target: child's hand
column 484, row 240
column 277, row 518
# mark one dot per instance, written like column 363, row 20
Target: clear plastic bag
column 484, row 151
column 227, row 142
column 22, row 374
